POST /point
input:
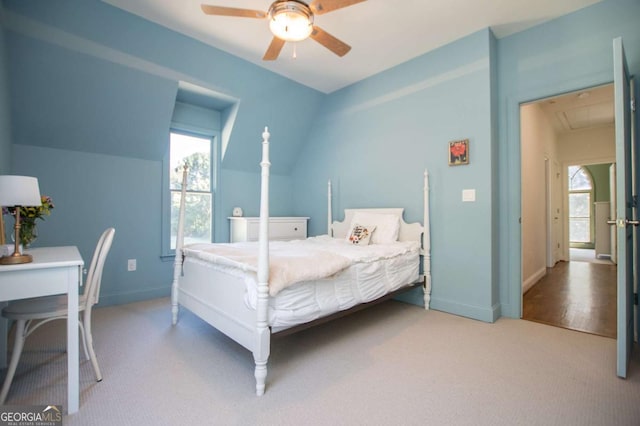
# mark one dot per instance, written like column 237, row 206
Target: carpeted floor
column 389, row 365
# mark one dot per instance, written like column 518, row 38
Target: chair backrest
column 94, row 276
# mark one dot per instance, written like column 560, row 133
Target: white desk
column 54, row 270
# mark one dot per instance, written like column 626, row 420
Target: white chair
column 29, row 314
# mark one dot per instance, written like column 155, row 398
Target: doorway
column 574, row 129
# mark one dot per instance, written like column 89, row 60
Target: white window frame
column 591, row 192
column 168, row 253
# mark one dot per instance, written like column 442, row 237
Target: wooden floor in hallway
column 575, row 295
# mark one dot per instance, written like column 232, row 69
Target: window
column 580, row 202
column 196, row 152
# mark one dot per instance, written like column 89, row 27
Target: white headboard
column 408, row 231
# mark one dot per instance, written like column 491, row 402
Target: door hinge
column 633, row 104
column 635, row 299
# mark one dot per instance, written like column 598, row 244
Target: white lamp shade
column 19, row 191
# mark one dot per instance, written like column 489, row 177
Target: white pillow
column 360, row 234
column 387, row 226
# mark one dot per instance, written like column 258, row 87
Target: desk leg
column 4, row 331
column 73, row 359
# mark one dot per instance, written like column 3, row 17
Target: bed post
column 426, row 244
column 329, row 210
column 177, row 263
column 263, row 334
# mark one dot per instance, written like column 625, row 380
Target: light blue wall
column 69, row 100
column 101, row 34
column 375, row 138
column 92, row 94
column 5, row 129
column 92, row 192
column 567, row 54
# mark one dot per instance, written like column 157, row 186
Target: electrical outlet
column 131, row 265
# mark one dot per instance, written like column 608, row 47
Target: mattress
column 373, row 271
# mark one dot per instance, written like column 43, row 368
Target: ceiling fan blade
column 320, row 7
column 273, row 50
column 330, row 42
column 232, row 11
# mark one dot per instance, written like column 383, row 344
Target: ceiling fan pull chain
column 295, row 54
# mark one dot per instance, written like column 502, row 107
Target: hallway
column 575, row 295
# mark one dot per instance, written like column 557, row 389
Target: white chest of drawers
column 280, row 228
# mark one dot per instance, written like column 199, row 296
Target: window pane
column 579, row 204
column 197, row 218
column 197, row 153
column 578, row 178
column 579, row 230
column 580, row 217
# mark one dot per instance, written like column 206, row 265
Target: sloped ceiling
column 382, row 33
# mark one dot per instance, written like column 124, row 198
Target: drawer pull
column 295, row 229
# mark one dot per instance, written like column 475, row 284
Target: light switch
column 468, row 195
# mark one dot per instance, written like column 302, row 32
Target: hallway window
column 580, row 202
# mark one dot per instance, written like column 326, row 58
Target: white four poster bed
column 250, row 291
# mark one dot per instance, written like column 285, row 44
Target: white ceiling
column 580, row 110
column 382, row 33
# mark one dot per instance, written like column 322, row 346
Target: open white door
column 624, row 207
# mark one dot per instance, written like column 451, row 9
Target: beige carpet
column 389, row 365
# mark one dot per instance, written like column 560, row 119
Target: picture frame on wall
column 459, row 152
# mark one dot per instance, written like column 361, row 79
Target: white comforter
column 298, row 260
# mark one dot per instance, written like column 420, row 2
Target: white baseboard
column 529, row 282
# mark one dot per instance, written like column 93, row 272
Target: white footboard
column 218, row 298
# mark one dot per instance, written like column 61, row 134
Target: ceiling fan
column 291, row 20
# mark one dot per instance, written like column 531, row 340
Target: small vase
column 28, row 232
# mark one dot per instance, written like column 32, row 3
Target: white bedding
column 289, row 262
column 371, row 272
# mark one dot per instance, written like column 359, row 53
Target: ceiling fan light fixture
column 290, row 20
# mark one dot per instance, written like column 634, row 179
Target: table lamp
column 18, row 191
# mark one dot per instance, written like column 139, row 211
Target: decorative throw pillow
column 360, row 234
column 387, row 226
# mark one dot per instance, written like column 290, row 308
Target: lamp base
column 16, row 259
